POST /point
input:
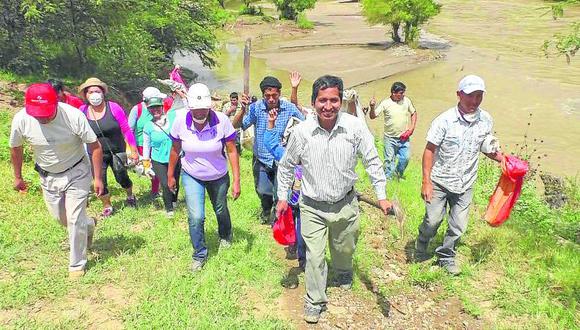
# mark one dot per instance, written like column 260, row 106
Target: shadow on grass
column 115, row 246
column 290, row 280
column 481, row 251
column 382, row 301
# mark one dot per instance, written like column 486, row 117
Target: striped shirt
column 458, row 145
column 329, row 159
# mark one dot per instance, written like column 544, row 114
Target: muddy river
column 528, row 95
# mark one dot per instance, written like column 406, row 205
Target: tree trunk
column 395, row 33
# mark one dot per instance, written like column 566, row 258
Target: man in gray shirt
column 450, row 163
column 57, row 131
column 328, row 148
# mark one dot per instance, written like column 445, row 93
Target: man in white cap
column 57, row 131
column 450, row 163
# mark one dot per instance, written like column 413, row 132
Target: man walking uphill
column 397, row 109
column 265, row 167
column 57, row 131
column 327, row 147
column 450, row 162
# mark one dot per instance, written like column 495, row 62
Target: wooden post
column 247, row 48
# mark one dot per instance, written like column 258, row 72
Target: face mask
column 161, row 121
column 95, row 99
column 471, row 117
column 198, row 121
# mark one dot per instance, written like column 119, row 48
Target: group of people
column 297, row 151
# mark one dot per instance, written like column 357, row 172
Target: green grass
column 303, row 23
column 526, row 271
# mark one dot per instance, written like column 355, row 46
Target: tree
column 124, row 42
column 411, row 14
column 289, row 9
column 567, row 44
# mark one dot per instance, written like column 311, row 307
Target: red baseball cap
column 40, row 100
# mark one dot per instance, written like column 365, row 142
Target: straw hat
column 92, row 82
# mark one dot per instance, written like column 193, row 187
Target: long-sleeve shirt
column 258, row 115
column 273, row 144
column 329, row 159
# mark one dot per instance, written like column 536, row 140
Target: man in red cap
column 57, row 131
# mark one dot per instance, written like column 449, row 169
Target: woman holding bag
column 108, row 121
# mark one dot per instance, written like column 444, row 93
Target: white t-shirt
column 57, row 145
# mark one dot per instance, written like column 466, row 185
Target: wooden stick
column 247, row 49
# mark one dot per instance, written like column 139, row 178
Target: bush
column 303, row 22
column 289, row 9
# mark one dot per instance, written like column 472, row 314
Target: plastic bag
column 507, row 190
column 283, row 229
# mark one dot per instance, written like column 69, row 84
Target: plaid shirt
column 258, row 116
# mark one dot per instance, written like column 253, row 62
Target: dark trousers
column 265, row 183
column 117, row 163
column 160, row 170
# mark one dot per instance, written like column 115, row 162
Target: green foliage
column 124, row 42
column 568, row 43
column 303, row 22
column 289, row 9
column 411, row 14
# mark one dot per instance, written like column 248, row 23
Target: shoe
column 225, row 243
column 174, row 205
column 107, row 212
column 344, row 280
column 76, row 274
column 169, row 214
column 421, row 251
column 302, row 264
column 196, row 266
column 155, row 195
column 131, row 201
column 450, row 266
column 311, row 314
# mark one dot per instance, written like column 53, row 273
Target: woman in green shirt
column 156, row 148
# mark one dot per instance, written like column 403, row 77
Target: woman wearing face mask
column 108, row 121
column 202, row 134
column 156, row 148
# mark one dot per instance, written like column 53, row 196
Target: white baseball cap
column 470, row 84
column 150, row 92
column 198, row 97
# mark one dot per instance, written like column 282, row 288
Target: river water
column 529, row 96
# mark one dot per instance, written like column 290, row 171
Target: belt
column 308, row 200
column 45, row 172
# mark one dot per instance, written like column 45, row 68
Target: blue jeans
column 195, row 200
column 394, row 148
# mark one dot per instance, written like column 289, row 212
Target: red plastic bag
column 283, row 229
column 507, row 191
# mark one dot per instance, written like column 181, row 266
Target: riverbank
column 500, row 45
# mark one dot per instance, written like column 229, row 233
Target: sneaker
column 225, row 243
column 76, row 274
column 174, row 205
column 196, row 266
column 302, row 264
column 311, row 314
column 344, row 280
column 450, row 266
column 421, row 251
column 291, row 253
column 155, row 195
column 169, row 214
column 131, row 201
column 107, row 212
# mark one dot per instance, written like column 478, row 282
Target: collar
column 341, row 121
column 212, row 121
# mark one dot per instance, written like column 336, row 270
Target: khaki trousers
column 66, row 195
column 337, row 223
